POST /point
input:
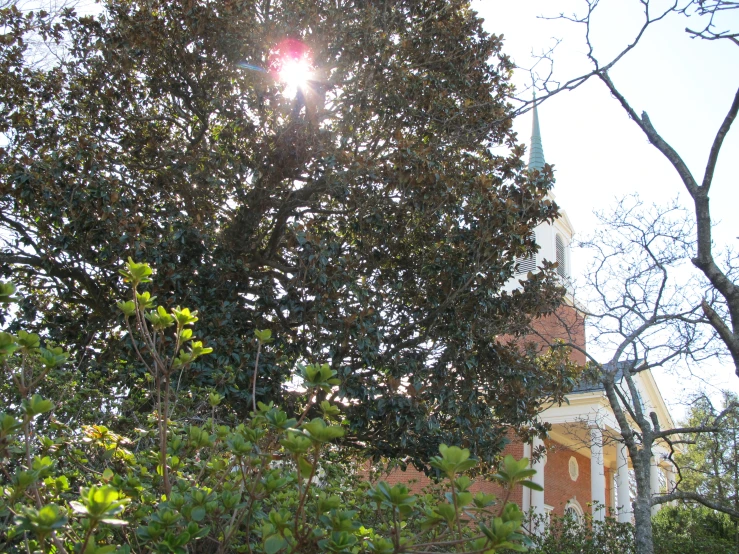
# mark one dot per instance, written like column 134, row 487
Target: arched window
column 527, row 263
column 561, row 256
column 574, row 510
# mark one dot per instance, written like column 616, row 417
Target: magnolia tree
column 320, row 169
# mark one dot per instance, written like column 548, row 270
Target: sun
column 291, row 62
column 295, row 74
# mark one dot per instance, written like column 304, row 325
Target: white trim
column 537, row 497
column 654, row 485
column 622, row 484
column 656, row 400
column 526, row 492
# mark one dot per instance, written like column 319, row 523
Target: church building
column 585, row 468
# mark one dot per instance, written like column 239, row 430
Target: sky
column 685, row 85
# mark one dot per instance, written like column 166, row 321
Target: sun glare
column 295, row 74
column 290, row 63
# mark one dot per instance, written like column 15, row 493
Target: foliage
column 366, row 221
column 709, row 465
column 568, row 535
column 195, row 484
column 693, row 530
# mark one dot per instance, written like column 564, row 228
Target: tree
column 724, row 314
column 364, row 221
column 642, row 313
column 710, row 464
column 692, row 530
column 719, row 303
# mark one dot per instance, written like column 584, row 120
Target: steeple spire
column 536, row 151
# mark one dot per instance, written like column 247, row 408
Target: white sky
column 685, row 85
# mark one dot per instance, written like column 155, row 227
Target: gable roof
column 647, row 386
column 589, row 386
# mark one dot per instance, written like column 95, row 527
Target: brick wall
column 416, row 480
column 566, row 324
column 559, row 488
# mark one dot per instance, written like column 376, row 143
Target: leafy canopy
column 370, row 221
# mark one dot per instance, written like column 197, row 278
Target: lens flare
column 295, row 74
column 291, row 63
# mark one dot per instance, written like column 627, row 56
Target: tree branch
column 694, row 497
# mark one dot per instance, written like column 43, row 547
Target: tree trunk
column 643, row 503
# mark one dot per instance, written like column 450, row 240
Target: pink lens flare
column 290, row 59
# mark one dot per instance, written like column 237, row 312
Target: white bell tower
column 554, row 239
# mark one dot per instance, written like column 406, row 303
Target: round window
column 574, row 469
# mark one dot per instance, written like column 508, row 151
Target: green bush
column 676, row 530
column 566, row 535
column 693, row 530
column 194, row 480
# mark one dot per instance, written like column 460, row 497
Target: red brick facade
column 559, row 488
column 566, row 324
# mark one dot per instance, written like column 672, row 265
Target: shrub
column 567, row 535
column 693, row 530
column 189, row 481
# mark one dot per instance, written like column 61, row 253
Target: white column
column 597, row 474
column 671, row 482
column 613, row 500
column 654, row 481
column 526, row 492
column 622, row 484
column 537, row 497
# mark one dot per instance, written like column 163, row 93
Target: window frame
column 573, row 506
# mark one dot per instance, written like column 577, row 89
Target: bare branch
column 719, row 140
column 694, row 497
